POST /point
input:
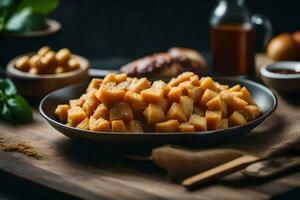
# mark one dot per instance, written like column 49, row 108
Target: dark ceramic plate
column 265, row 99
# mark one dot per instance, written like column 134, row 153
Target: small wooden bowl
column 38, row 86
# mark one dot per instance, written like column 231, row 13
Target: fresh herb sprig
column 13, row 107
column 25, row 15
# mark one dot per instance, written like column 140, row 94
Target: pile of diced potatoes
column 47, row 61
column 186, row 103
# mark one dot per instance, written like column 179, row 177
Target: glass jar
column 232, row 38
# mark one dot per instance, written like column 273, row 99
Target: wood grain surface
column 94, row 172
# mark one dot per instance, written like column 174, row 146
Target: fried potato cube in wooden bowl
column 39, row 73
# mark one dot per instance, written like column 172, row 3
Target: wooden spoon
column 219, row 171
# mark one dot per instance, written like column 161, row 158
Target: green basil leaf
column 6, row 3
column 6, row 7
column 26, row 21
column 2, row 97
column 6, row 113
column 7, row 87
column 43, row 7
column 20, row 109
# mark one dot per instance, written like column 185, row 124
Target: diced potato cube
column 152, row 95
column 73, row 64
column 76, row 115
column 121, row 111
column 199, row 122
column 33, row 71
column 23, row 63
column 159, row 84
column 180, row 78
column 101, row 112
column 195, row 93
column 187, row 104
column 91, row 103
column 118, row 126
column 223, row 124
column 59, row 70
column 84, row 124
column 233, row 102
column 43, row 50
column 195, row 80
column 35, row 62
column 164, row 104
column 111, row 77
column 176, row 112
column 238, row 104
column 236, row 119
column 186, row 127
column 135, row 126
column 247, row 96
column 221, row 87
column 94, row 84
column 224, row 87
column 75, row 102
column 139, row 85
column 154, row 113
column 250, row 112
column 213, row 119
column 167, row 89
column 216, row 104
column 167, row 126
column 135, row 100
column 61, row 112
column 99, row 124
column 50, row 56
column 174, row 94
column 237, row 94
column 186, row 85
column 235, row 88
column 207, row 96
column 46, row 61
column 121, row 77
column 208, row 83
column 63, row 55
column 199, row 110
column 125, row 84
column 185, row 76
column 83, row 97
column 110, row 94
column 173, row 82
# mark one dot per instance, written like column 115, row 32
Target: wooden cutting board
column 90, row 172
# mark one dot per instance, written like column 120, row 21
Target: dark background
column 131, row 28
column 101, row 29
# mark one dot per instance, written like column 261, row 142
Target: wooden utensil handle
column 219, row 171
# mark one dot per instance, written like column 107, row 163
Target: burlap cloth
column 277, row 135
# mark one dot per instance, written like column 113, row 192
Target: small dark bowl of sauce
column 285, row 71
column 282, row 76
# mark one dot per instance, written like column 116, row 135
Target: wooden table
column 91, row 172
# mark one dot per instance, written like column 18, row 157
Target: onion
column 284, row 47
column 296, row 36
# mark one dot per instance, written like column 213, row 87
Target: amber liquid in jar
column 233, row 50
